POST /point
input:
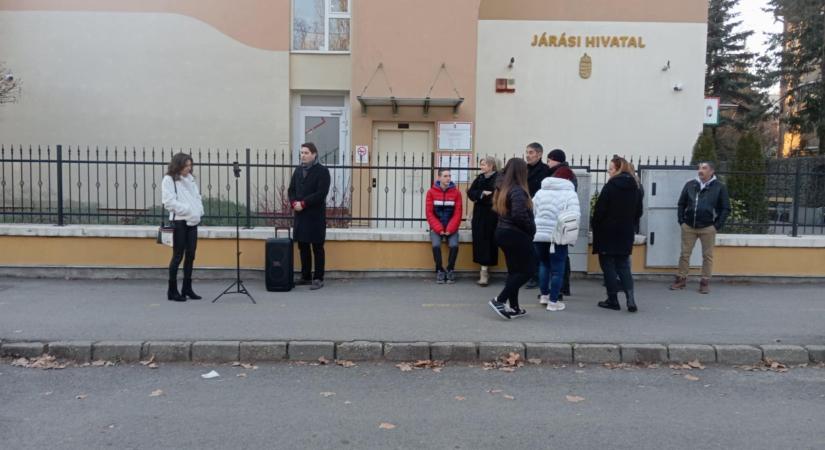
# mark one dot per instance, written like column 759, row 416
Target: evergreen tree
column 728, row 72
column 705, row 149
column 796, row 60
column 746, row 183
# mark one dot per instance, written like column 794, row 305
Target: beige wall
column 412, row 38
column 596, row 10
column 258, row 23
column 313, row 72
column 142, row 79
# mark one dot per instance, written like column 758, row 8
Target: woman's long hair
column 622, row 166
column 177, row 164
column 514, row 174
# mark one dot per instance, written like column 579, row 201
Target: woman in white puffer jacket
column 556, row 195
column 180, row 196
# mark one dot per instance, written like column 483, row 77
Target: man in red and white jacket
column 443, row 206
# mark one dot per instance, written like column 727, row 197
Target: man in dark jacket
column 443, row 205
column 537, row 171
column 557, row 162
column 703, row 208
column 308, row 197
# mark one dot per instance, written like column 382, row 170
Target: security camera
column 8, row 78
column 678, row 87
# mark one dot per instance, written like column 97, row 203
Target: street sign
column 711, row 111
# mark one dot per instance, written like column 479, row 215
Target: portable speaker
column 279, row 265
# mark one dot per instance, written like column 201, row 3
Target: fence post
column 60, row 219
column 248, row 190
column 797, row 187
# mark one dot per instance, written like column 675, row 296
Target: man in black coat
column 537, row 171
column 307, row 192
column 703, row 208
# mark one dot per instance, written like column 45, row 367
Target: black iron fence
column 90, row 185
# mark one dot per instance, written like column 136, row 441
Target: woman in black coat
column 307, row 192
column 485, row 220
column 614, row 224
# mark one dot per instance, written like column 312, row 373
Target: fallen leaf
column 153, row 365
column 344, row 363
column 81, row 397
column 437, row 369
column 535, row 361
column 691, row 377
column 156, row 393
column 696, row 364
column 41, row 362
column 209, row 375
column 508, row 397
column 386, row 426
column 347, row 402
column 323, row 361
column 574, row 398
column 494, row 391
column 405, row 367
column 148, row 361
column 507, row 369
column 460, row 398
column 327, row 394
column 241, row 375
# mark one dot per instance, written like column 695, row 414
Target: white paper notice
column 455, row 136
column 458, row 165
column 362, row 154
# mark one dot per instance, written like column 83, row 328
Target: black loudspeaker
column 280, row 274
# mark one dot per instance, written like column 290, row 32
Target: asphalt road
column 406, row 310
column 285, row 406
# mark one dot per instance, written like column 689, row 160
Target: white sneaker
column 557, row 306
column 544, row 299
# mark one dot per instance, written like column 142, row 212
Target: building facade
column 414, row 83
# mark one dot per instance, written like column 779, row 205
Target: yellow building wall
column 360, row 256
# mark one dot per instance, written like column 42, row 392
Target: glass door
column 327, row 129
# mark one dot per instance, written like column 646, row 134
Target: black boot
column 186, row 290
column 173, row 294
column 439, row 265
column 631, row 302
column 612, row 302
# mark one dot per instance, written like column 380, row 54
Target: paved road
column 406, row 310
column 286, row 406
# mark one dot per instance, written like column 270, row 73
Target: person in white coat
column 180, row 196
column 556, row 196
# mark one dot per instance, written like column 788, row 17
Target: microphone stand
column 238, row 283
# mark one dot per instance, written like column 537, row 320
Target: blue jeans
column 551, row 269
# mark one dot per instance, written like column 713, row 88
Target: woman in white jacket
column 181, row 197
column 556, row 196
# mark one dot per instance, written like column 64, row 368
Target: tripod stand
column 238, row 283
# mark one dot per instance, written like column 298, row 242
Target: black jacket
column 519, row 215
column 535, row 175
column 616, row 216
column 485, row 220
column 312, row 190
column 700, row 208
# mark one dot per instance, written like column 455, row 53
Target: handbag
column 166, row 233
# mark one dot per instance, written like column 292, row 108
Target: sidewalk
column 399, row 310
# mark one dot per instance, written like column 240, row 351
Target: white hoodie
column 555, row 196
column 186, row 203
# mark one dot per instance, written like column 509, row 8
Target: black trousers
column 184, row 244
column 307, row 251
column 616, row 268
column 520, row 255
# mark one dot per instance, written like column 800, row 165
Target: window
column 320, row 25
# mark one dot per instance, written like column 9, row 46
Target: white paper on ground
column 211, row 374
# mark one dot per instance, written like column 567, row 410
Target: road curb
column 223, row 351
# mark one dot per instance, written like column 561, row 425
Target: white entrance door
column 327, row 128
column 401, row 174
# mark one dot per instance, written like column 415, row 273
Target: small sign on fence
column 362, row 154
